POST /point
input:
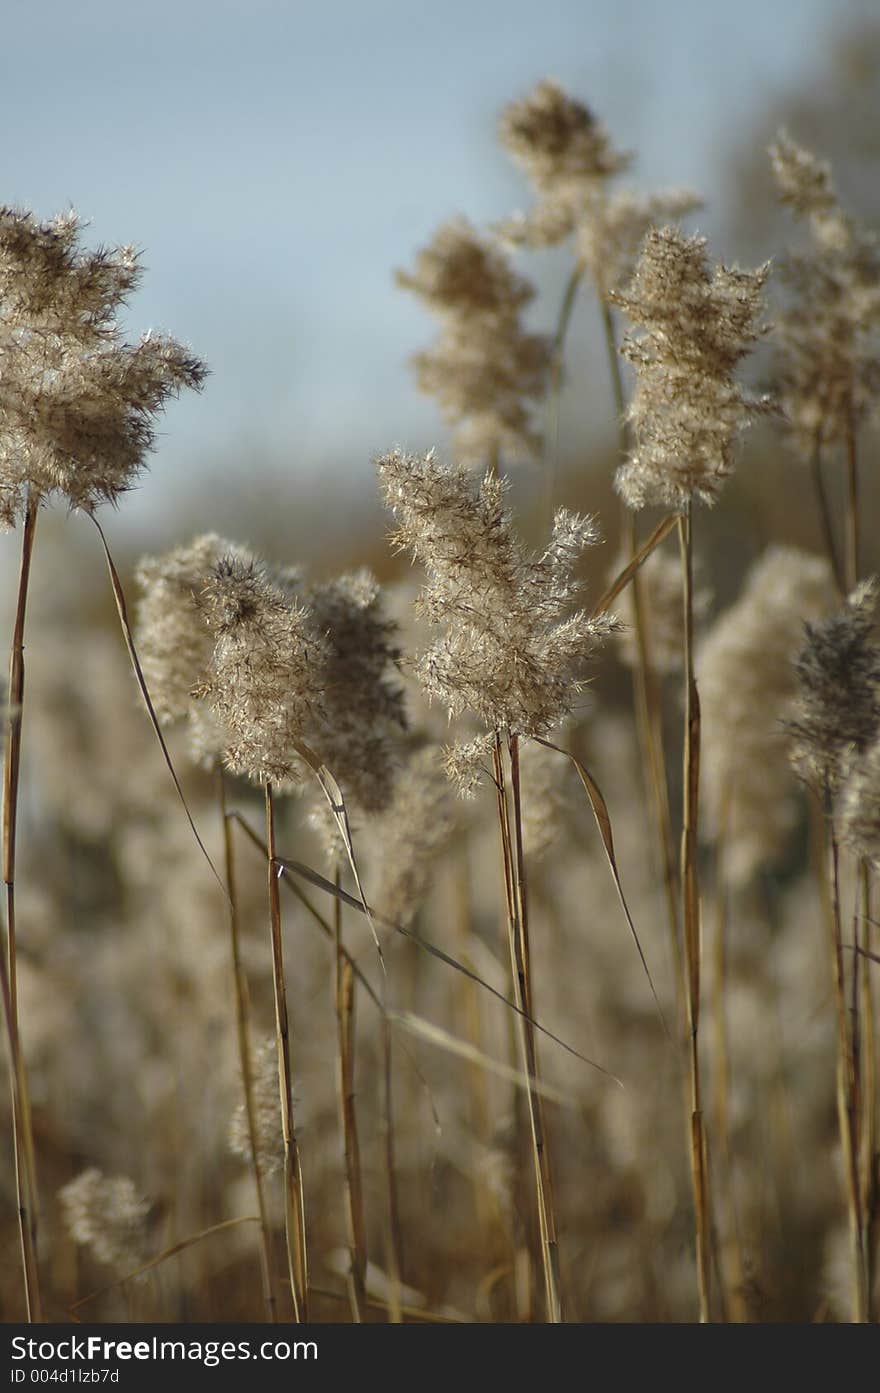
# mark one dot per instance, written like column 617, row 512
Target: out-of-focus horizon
column 277, row 161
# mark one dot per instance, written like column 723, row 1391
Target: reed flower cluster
column 511, row 649
column 695, row 326
column 107, row 1215
column 267, row 1113
column 747, row 687
column 257, row 663
column 414, row 830
column 660, row 596
column 570, row 161
column 78, row 402
column 485, row 370
column 828, row 350
column 837, row 714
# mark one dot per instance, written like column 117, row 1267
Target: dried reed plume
column 267, row 1113
column 511, row 649
column 107, row 1215
column 860, row 806
column 747, row 686
column 78, row 402
column 362, row 713
column 827, row 348
column 512, row 653
column 696, row 325
column 557, row 140
column 837, row 713
column 485, row 370
column 413, row 832
column 78, row 412
column 836, row 721
column 569, row 160
column 174, row 640
column 660, row 599
column 263, row 679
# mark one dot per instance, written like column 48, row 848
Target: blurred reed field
column 471, row 917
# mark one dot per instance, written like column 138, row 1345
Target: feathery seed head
column 363, row 714
column 264, row 677
column 174, row 639
column 828, row 357
column 484, row 370
column 695, row 325
column 804, row 182
column 508, row 650
column 267, row 1113
column 747, row 687
column 659, row 581
column 413, row 833
column 837, row 714
column 78, row 403
column 107, row 1215
column 462, row 273
column 860, row 806
column 614, row 226
column 557, row 139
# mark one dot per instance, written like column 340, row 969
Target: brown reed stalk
column 520, row 957
column 824, row 508
column 294, row 1206
column 22, row 1129
column 847, row 1085
column 869, row 1156
column 691, row 935
column 484, row 1207
column 395, row 1232
column 851, row 546
column 354, row 1197
column 731, row 1268
column 242, row 1026
column 554, row 389
column 863, row 1027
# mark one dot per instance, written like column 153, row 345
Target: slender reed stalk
column 646, row 694
column 485, row 1209
column 294, row 1207
column 520, row 957
column 554, row 392
column 691, row 924
column 395, row 1238
column 23, row 1141
column 847, row 1086
column 354, row 1198
column 824, row 509
column 731, row 1269
column 851, row 547
column 242, row 1026
column 869, row 1156
column 863, row 1029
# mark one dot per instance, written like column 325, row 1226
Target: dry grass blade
column 321, row 883
column 166, row 1253
column 445, row 1040
column 242, row 1022
column 23, row 1140
column 417, row 1313
column 603, row 822
column 333, row 793
column 294, row 1200
column 661, row 531
column 122, row 611
column 319, row 919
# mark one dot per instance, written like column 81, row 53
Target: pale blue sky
column 277, row 160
